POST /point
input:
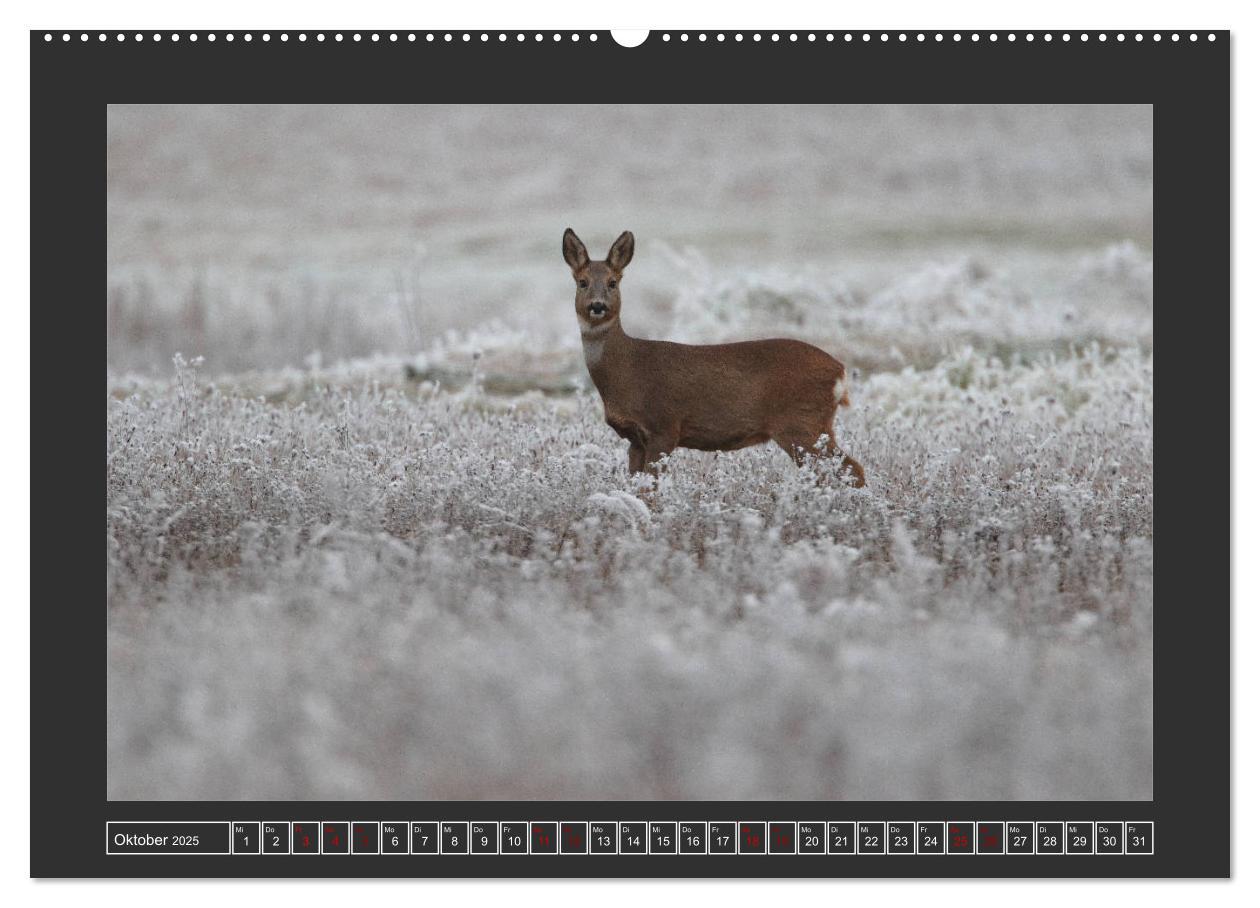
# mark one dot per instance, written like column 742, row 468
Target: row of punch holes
column 521, row 37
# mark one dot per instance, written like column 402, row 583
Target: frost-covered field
column 380, row 544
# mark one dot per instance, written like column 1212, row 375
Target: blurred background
column 261, row 237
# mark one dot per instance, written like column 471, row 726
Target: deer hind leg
column 796, row 444
column 802, row 444
column 849, row 468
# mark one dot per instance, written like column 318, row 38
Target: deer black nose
column 596, row 308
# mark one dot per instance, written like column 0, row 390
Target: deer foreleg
column 638, row 458
column 655, row 447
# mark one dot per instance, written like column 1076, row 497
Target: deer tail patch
column 841, row 390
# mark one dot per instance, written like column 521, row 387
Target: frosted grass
column 383, row 594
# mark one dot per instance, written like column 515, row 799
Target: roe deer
column 718, row 397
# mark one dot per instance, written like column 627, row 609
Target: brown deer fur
column 660, row 395
column 720, row 397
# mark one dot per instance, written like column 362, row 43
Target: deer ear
column 622, row 251
column 574, row 251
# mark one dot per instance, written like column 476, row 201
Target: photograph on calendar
column 629, row 452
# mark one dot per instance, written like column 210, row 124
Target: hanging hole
column 630, row 37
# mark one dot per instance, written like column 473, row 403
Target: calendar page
column 703, row 452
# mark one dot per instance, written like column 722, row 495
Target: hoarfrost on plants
column 380, row 544
column 463, row 588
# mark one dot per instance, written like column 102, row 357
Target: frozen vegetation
column 379, row 543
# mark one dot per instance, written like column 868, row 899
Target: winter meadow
column 368, row 536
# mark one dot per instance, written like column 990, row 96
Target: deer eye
column 582, row 283
column 612, row 285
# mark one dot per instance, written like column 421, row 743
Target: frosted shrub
column 914, row 316
column 710, row 303
column 392, row 592
column 1122, row 267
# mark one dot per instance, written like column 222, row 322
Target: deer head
column 598, row 298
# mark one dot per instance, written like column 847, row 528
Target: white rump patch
column 841, row 390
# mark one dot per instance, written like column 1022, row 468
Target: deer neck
column 603, row 346
column 609, row 353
